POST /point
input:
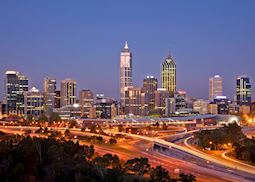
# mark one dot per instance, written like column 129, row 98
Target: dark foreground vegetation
column 37, row 159
column 230, row 136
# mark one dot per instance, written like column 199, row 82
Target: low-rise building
column 201, row 106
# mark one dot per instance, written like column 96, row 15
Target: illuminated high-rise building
column 243, row 90
column 57, row 99
column 168, row 75
column 125, row 72
column 180, row 100
column 15, row 86
column 49, row 94
column 215, row 87
column 150, row 85
column 161, row 95
column 133, row 100
column 68, row 92
column 86, row 102
column 33, row 103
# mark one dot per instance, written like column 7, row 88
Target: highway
column 141, row 149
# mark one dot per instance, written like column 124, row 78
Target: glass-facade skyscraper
column 15, row 86
column 243, row 90
column 150, row 85
column 49, row 94
column 215, row 87
column 125, row 72
column 168, row 75
column 68, row 92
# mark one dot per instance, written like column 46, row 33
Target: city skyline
column 76, row 56
column 131, row 91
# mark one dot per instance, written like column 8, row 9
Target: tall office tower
column 150, row 85
column 125, row 72
column 33, row 103
column 86, row 102
column 68, row 92
column 170, row 106
column 15, row 86
column 168, row 75
column 215, row 87
column 180, row 100
column 133, row 102
column 161, row 94
column 57, row 99
column 49, row 94
column 243, row 90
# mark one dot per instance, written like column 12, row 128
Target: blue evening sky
column 82, row 40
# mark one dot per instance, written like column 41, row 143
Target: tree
column 120, row 128
column 140, row 166
column 159, row 174
column 187, row 178
column 30, row 118
column 164, row 126
column 112, row 141
column 116, row 162
column 42, row 118
column 89, row 151
column 55, row 117
column 72, row 124
column 92, row 129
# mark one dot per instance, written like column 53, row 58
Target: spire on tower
column 126, row 45
column 169, row 55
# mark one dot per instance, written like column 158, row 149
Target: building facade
column 215, row 87
column 57, row 99
column 15, row 86
column 168, row 75
column 68, row 92
column 170, row 106
column 201, row 106
column 125, row 72
column 150, row 85
column 180, row 100
column 86, row 102
column 106, row 107
column 243, row 90
column 222, row 104
column 161, row 95
column 133, row 100
column 33, row 103
column 49, row 88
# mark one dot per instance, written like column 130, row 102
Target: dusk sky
column 82, row 40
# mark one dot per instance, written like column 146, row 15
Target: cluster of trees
column 51, row 133
column 231, row 135
column 245, row 150
column 216, row 139
column 37, row 159
column 45, row 117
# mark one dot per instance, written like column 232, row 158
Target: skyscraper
column 33, row 102
column 168, row 75
column 161, row 95
column 68, row 92
column 215, row 87
column 49, row 94
column 180, row 100
column 125, row 72
column 133, row 104
column 86, row 102
column 150, row 85
column 243, row 90
column 15, row 86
